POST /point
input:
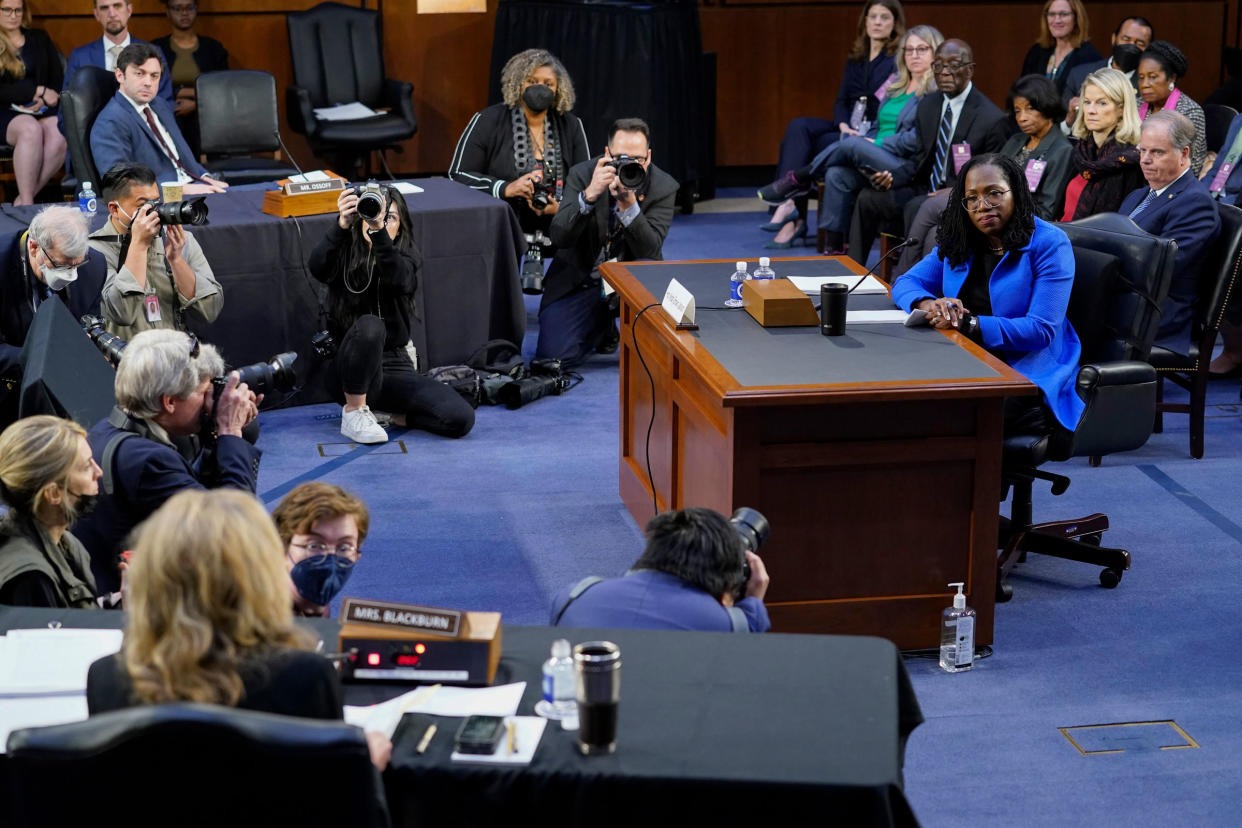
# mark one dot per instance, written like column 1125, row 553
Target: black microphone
column 288, row 154
column 910, row 240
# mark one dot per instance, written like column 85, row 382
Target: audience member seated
column 603, row 220
column 1160, row 67
column 1228, row 363
column 154, row 280
column 164, row 394
column 951, row 125
column 869, row 70
column 322, row 527
column 31, row 76
column 1128, row 41
column 47, row 478
column 1002, row 276
column 1174, row 205
column 1064, row 42
column 209, row 620
column 137, row 127
column 371, row 269
column 885, row 146
column 690, row 577
column 188, row 55
column 1040, row 148
column 43, row 264
column 113, row 16
column 1105, row 165
column 1224, row 178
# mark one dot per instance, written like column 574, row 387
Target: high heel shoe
column 775, row 226
column 797, row 240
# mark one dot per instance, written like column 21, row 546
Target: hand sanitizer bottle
column 957, row 634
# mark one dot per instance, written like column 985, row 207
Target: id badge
column 1222, row 175
column 152, row 303
column 1034, row 172
column 961, row 154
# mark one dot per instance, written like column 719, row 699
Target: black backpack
column 499, row 356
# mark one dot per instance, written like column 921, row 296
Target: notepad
column 438, row 701
column 865, row 317
column 810, row 284
column 528, row 732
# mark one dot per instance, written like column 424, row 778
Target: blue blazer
column 1233, row 184
column 1030, row 291
column 121, row 134
column 92, row 54
column 1187, row 214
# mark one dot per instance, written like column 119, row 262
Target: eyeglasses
column 17, row 12
column 953, row 67
column 1058, row 15
column 992, row 198
column 917, row 50
column 195, row 347
column 316, row 548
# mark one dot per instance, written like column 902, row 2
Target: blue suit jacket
column 92, row 54
column 647, row 599
column 1030, row 291
column 1233, row 184
column 1187, row 214
column 121, row 134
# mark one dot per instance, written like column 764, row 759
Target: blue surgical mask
column 319, row 578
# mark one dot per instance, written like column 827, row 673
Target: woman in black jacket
column 1063, row 43
column 370, row 266
column 31, row 77
column 188, row 55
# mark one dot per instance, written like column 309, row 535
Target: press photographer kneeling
column 370, row 262
column 164, row 391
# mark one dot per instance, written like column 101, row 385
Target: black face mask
column 85, row 504
column 1126, row 56
column 538, row 98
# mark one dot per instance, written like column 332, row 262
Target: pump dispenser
column 957, row 634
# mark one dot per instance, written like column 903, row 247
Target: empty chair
column 237, row 117
column 88, row 93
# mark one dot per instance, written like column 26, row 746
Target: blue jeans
column 839, row 165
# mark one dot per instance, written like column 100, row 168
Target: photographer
column 370, row 266
column 164, row 392
column 157, row 273
column 690, row 577
column 602, row 220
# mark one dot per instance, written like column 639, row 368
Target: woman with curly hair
column 1002, row 276
column 1105, row 166
column 1159, row 70
column 210, row 620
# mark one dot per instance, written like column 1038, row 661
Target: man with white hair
column 163, row 391
column 44, row 264
column 1174, row 205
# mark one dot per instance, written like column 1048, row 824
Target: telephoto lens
column 182, row 212
column 370, row 200
column 110, row 345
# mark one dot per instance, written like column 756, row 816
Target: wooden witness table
column 876, row 455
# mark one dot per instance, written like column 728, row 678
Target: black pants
column 391, row 383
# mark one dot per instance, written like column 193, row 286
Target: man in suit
column 600, row 220
column 952, row 125
column 113, row 16
column 136, row 126
column 1129, row 40
column 1174, row 205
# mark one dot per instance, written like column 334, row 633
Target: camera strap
column 129, row 428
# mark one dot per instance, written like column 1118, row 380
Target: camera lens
column 752, row 526
column 631, row 175
column 370, row 201
column 183, row 212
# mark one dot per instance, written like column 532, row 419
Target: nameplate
column 294, row 188
column 402, row 616
column 679, row 303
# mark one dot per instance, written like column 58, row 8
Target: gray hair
column 61, row 228
column 157, row 362
column 1180, row 129
column 522, row 65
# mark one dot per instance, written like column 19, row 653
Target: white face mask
column 56, row 278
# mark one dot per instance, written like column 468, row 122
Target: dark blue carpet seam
column 332, row 465
column 1177, row 490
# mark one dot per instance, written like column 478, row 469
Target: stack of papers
column 345, row 112
column 437, row 700
column 810, row 284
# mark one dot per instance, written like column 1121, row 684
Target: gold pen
column 426, row 740
column 512, row 736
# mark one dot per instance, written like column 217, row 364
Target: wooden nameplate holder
column 778, row 303
column 310, row 198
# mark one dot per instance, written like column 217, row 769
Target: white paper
column 528, row 731
column 52, row 661
column 385, row 716
column 39, row 711
column 345, row 112
column 407, row 188
column 306, row 178
column 810, row 284
column 863, row 317
column 438, row 701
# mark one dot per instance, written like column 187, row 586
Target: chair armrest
column 398, row 96
column 300, row 111
column 1108, row 374
column 1120, row 412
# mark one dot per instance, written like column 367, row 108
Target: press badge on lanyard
column 153, row 307
column 1222, row 175
column 1034, row 172
column 961, row 154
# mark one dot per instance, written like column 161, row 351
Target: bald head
column 954, row 66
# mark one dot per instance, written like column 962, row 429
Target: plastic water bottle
column 858, row 118
column 736, row 278
column 764, row 270
column 558, row 683
column 957, row 634
column 86, row 200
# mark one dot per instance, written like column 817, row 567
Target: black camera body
column 542, row 190
column 370, row 200
column 630, row 171
column 262, row 377
column 323, row 344
column 192, row 212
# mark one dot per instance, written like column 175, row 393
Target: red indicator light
column 420, row 648
column 406, row 660
column 373, row 659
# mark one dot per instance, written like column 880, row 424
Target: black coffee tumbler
column 832, row 299
column 598, row 667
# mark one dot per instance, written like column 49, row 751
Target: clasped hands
column 943, row 313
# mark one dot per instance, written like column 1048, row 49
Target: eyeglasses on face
column 195, row 347
column 1058, row 15
column 316, row 548
column 953, row 67
column 992, row 198
column 917, row 50
column 7, row 12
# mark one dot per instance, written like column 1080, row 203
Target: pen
column 512, row 739
column 426, row 740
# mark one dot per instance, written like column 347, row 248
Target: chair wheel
column 1004, row 592
column 1094, row 538
column 1109, row 578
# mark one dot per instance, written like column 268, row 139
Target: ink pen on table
column 426, row 740
column 512, row 736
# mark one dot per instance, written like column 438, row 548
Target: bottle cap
column 560, row 648
column 763, row 261
column 86, row 185
column 959, row 600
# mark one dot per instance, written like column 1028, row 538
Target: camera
column 180, row 212
column 547, row 377
column 370, row 200
column 323, row 344
column 110, row 345
column 753, row 529
column 630, row 170
column 532, row 263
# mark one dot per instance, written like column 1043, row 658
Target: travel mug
column 597, row 666
column 832, row 299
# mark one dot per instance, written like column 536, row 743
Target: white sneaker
column 359, row 426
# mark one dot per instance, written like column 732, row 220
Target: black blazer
column 981, row 124
column 45, row 71
column 1036, row 62
column 18, row 287
column 1075, row 77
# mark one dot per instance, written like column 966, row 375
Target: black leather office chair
column 194, row 764
column 1121, row 280
column 1219, row 284
column 1217, row 118
column 237, row 117
column 87, row 94
column 338, row 57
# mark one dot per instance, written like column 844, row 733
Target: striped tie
column 942, row 148
column 1151, row 196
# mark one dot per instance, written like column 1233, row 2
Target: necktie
column 1151, row 196
column 942, row 148
column 113, row 53
column 146, row 110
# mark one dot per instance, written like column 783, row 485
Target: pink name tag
column 961, row 154
column 1034, row 172
column 152, row 303
column 1222, row 175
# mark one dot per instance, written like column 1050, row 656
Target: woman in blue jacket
column 1003, row 276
